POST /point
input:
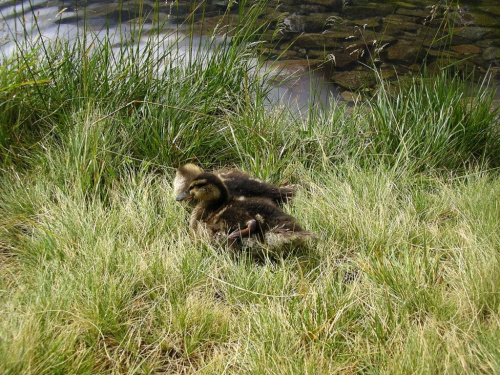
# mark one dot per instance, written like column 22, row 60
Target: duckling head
column 184, row 176
column 206, row 187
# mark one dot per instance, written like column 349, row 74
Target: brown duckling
column 241, row 221
column 239, row 184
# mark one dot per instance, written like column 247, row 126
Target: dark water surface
column 339, row 39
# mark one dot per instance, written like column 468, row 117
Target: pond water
column 329, row 45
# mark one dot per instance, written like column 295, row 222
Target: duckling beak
column 184, row 196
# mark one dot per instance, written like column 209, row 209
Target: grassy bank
column 99, row 274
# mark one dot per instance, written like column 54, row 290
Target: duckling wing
column 241, row 184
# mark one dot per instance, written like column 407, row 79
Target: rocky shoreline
column 349, row 40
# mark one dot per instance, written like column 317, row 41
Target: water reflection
column 301, row 87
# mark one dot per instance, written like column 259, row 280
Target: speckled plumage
column 239, row 184
column 241, row 221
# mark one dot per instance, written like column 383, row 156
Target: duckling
column 241, row 221
column 239, row 184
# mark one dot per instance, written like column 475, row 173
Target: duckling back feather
column 239, row 184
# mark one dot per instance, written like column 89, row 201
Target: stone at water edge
column 354, row 80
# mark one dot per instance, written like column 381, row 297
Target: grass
column 100, row 275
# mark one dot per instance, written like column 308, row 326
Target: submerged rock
column 372, row 23
column 316, row 41
column 420, row 13
column 316, row 22
column 486, row 20
column 341, row 59
column 350, row 96
column 354, row 80
column 403, row 23
column 370, row 37
column 330, row 5
column 451, row 64
column 471, row 33
column 404, row 52
column 466, row 49
column 493, row 9
column 491, row 53
column 369, row 10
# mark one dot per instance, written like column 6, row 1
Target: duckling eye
column 199, row 186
